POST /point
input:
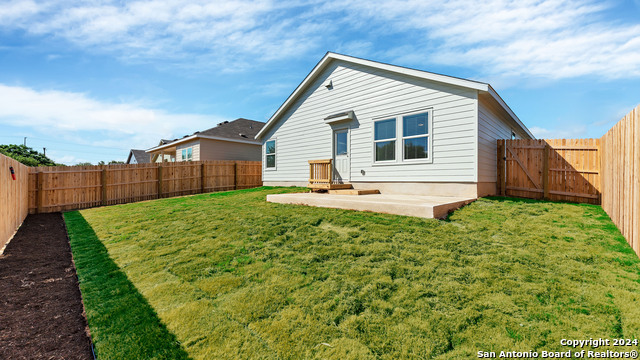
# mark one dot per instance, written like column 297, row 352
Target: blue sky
column 89, row 80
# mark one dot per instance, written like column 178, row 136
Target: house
column 163, row 156
column 138, row 157
column 229, row 140
column 390, row 128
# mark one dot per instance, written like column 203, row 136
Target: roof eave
column 171, row 144
column 329, row 56
column 506, row 107
column 248, row 141
column 294, row 94
column 198, row 136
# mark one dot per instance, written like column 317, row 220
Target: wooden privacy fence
column 621, row 176
column 560, row 170
column 13, row 197
column 64, row 188
column 598, row 171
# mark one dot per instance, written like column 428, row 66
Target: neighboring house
column 230, row 140
column 390, row 128
column 160, row 156
column 138, row 157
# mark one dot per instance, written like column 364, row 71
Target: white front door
column 341, row 161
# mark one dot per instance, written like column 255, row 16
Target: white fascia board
column 171, row 144
column 377, row 65
column 316, row 69
column 506, row 107
column 476, row 85
column 248, row 141
column 197, row 136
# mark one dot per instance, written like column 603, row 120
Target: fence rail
column 64, row 188
column 621, row 176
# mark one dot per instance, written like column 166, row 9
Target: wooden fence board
column 555, row 169
column 66, row 188
column 621, row 179
column 14, row 197
column 602, row 171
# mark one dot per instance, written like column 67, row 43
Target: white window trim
column 275, row 155
column 399, row 139
column 384, row 140
column 186, row 154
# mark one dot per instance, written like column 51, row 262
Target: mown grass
column 232, row 276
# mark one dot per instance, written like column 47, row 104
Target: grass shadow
column 123, row 325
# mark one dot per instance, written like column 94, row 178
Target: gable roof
column 141, row 156
column 330, row 56
column 239, row 130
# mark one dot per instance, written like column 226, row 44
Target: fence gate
column 560, row 170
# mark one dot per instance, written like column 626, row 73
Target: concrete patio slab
column 409, row 205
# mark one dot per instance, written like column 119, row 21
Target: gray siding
column 493, row 124
column 226, row 150
column 302, row 135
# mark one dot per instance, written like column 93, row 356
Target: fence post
column 545, row 171
column 103, row 183
column 159, row 181
column 235, row 175
column 39, row 192
column 500, row 161
column 203, row 176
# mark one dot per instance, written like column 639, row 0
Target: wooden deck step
column 327, row 186
column 354, row 192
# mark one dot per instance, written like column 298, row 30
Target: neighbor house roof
column 240, row 130
column 141, row 156
column 329, row 57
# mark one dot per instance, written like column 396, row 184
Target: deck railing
column 320, row 172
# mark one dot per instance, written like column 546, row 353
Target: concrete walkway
column 410, row 205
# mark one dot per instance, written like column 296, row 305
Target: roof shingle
column 239, row 129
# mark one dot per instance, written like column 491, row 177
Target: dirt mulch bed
column 41, row 313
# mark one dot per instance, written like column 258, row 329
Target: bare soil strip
column 41, row 312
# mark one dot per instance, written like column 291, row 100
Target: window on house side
column 187, row 154
column 415, row 136
column 385, row 140
column 270, row 152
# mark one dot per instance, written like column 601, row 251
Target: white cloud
column 78, row 118
column 199, row 33
column 549, row 39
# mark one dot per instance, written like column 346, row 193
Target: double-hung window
column 385, row 140
column 415, row 136
column 270, row 154
column 403, row 138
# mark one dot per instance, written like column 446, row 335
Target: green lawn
column 230, row 276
